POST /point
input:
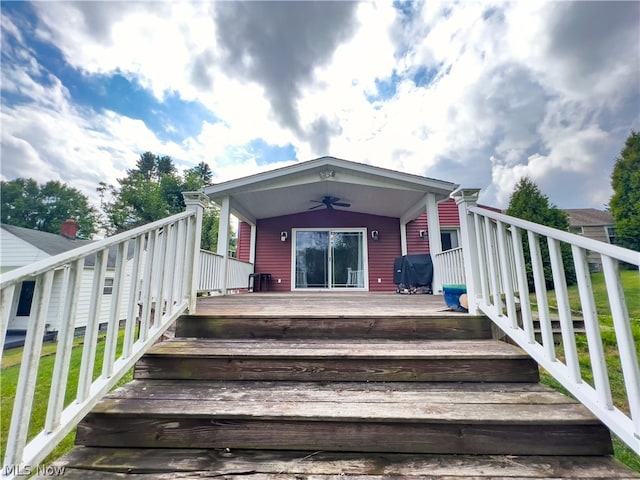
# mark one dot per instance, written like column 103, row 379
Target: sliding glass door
column 329, row 259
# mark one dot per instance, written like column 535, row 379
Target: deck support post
column 194, row 201
column 466, row 198
column 435, row 242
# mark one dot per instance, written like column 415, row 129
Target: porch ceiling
column 290, row 190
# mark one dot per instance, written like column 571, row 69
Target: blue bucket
column 452, row 294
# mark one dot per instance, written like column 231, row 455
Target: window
column 611, row 234
column 449, row 239
column 108, row 286
column 26, row 297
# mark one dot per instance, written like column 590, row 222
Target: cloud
column 478, row 93
column 279, row 45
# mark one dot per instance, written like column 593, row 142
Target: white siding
column 15, row 252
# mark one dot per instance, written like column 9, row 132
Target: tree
column 529, row 203
column 625, row 202
column 152, row 191
column 44, row 207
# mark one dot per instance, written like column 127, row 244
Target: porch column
column 466, row 198
column 252, row 245
column 223, row 240
column 435, row 242
column 403, row 237
column 194, row 201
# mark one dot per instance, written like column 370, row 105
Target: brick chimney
column 69, row 229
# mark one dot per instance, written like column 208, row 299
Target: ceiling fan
column 329, row 202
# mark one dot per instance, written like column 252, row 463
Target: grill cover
column 411, row 271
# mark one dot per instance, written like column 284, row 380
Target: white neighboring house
column 22, row 246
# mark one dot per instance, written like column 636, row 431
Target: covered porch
column 330, row 224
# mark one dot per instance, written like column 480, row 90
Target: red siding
column 274, row 256
column 243, row 245
column 448, row 216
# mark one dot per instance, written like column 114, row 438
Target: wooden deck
column 338, row 385
column 324, row 304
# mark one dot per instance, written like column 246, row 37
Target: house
column 330, row 224
column 594, row 224
column 22, row 246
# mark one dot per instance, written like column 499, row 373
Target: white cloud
column 544, row 89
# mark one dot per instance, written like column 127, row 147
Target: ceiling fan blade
column 341, row 204
column 317, row 206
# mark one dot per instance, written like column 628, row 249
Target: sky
column 476, row 93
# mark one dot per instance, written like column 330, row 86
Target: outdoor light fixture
column 283, row 236
column 375, row 235
column 423, row 233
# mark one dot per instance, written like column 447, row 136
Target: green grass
column 631, row 286
column 9, row 380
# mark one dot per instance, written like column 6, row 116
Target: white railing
column 450, row 264
column 211, row 272
column 145, row 269
column 494, row 243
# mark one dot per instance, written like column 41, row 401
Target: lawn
column 9, row 380
column 631, row 286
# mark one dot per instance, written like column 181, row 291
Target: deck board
column 104, row 463
column 212, row 348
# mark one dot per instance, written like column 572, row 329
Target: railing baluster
column 25, row 390
column 134, row 292
column 523, row 285
column 93, row 322
column 170, row 260
column 505, row 268
column 592, row 328
column 159, row 277
column 496, row 298
column 624, row 337
column 541, row 297
column 60, row 376
column 147, row 285
column 7, row 297
column 178, row 289
column 111, row 341
column 482, row 258
column 564, row 310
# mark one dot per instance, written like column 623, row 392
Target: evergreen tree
column 529, row 203
column 625, row 202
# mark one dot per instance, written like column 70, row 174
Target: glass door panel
column 312, row 259
column 347, row 269
column 328, row 259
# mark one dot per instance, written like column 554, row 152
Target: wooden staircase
column 354, row 396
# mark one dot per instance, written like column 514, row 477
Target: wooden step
column 334, row 326
column 333, row 360
column 108, row 463
column 473, row 418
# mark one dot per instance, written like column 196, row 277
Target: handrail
column 153, row 271
column 211, row 272
column 495, row 245
column 450, row 265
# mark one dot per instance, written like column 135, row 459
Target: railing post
column 466, row 198
column 195, row 202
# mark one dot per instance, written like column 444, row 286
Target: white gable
column 15, row 252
